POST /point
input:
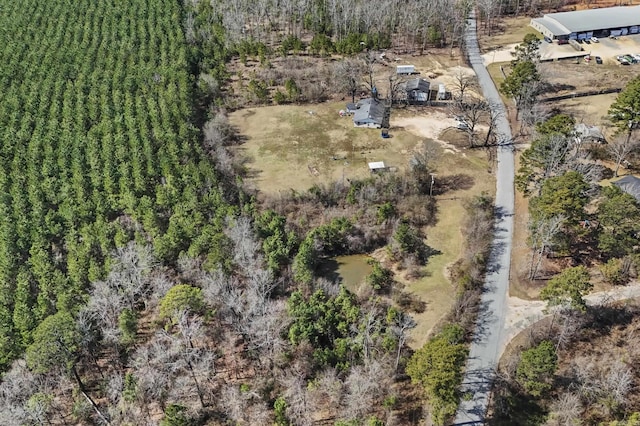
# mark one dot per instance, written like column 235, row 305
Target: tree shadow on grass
column 455, row 182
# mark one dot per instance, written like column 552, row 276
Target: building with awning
column 584, row 24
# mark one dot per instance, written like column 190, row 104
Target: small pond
column 349, row 270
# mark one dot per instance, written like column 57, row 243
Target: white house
column 371, row 113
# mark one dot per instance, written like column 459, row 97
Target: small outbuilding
column 418, row 90
column 588, row 134
column 405, row 69
column 631, row 185
column 371, row 113
column 377, row 167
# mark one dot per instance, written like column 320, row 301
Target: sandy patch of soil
column 521, row 314
column 428, row 126
column 504, row 54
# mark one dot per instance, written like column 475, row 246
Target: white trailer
column 405, row 69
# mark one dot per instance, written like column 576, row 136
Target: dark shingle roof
column 629, row 184
column 419, row 84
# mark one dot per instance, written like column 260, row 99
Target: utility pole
column 431, row 187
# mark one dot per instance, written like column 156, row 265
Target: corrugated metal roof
column 594, row 19
column 630, row 184
column 369, row 110
column 417, row 84
column 552, row 26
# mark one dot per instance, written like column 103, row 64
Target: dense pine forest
column 98, row 148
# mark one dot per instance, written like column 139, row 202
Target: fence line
column 581, row 94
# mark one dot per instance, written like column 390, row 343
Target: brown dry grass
column 284, row 142
column 568, row 77
column 591, row 110
column 296, row 147
column 509, row 31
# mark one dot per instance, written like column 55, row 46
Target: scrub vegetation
column 143, row 283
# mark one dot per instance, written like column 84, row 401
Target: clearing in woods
column 297, row 146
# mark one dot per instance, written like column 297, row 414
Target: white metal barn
column 584, row 24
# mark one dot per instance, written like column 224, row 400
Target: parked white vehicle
column 595, row 40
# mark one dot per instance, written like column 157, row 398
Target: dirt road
column 522, row 314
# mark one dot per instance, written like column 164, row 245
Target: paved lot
column 606, row 48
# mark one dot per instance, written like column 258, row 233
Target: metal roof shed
column 629, row 184
column 419, row 84
column 376, row 166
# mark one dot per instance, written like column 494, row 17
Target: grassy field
column 286, row 145
column 295, row 147
column 591, row 110
column 509, row 31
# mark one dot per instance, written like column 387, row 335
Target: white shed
column 377, row 166
column 406, row 69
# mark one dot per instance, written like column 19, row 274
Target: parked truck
column 575, row 45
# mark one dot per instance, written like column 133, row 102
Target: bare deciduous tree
column 246, row 252
column 365, row 386
column 470, row 112
column 463, row 81
column 327, row 392
column 542, row 233
column 348, row 76
column 566, row 410
column 489, row 9
column 607, row 385
column 395, row 92
column 400, row 327
column 370, row 61
column 243, row 406
column 298, row 399
column 620, row 148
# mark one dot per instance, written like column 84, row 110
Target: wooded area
column 141, row 284
column 582, row 231
column 99, row 147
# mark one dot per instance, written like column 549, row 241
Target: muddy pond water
column 348, row 270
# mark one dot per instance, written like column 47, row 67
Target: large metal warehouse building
column 583, row 24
